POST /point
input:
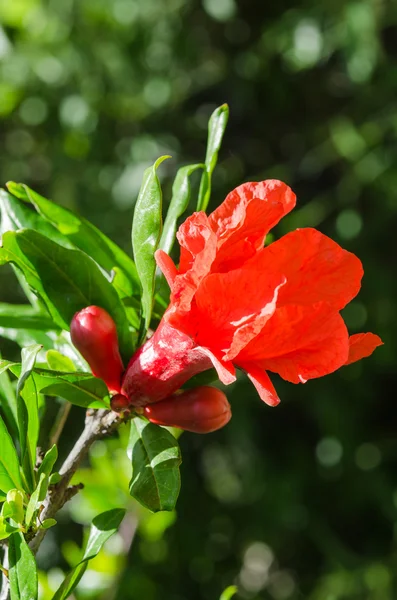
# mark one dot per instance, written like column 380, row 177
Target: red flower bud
column 201, row 410
column 94, row 334
column 119, row 403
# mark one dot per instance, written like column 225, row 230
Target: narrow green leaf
column 9, row 468
column 181, row 190
column 229, row 592
column 8, row 403
column 146, row 232
column 49, row 461
column 58, row 362
column 103, row 527
column 36, row 498
column 28, row 412
column 82, row 234
column 66, row 280
column 23, row 570
column 16, row 215
column 156, row 458
column 5, row 365
column 216, row 129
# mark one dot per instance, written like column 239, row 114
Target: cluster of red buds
column 200, row 410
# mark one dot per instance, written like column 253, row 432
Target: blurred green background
column 294, row 502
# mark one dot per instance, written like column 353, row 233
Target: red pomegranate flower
column 235, row 303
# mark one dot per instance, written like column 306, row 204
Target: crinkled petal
column 316, row 267
column 362, row 345
column 242, row 221
column 300, row 343
column 196, row 239
column 167, row 266
column 198, row 250
column 232, row 308
column 262, row 383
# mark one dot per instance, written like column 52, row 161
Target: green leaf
column 81, row 389
column 156, row 458
column 8, row 403
column 6, row 529
column 29, row 356
column 58, row 362
column 24, row 316
column 36, row 498
column 13, row 506
column 66, row 280
column 103, row 527
column 23, row 570
column 28, row 412
column 9, row 468
column 47, row 523
column 229, row 592
column 5, row 365
column 82, row 234
column 146, row 232
column 49, row 461
column 216, row 129
column 16, row 215
column 181, row 190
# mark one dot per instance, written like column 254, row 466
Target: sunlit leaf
column 9, row 467
column 156, row 457
column 146, row 232
column 216, row 129
column 23, row 570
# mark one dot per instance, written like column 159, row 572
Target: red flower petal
column 166, row 265
column 362, row 345
column 317, row 269
column 231, row 308
column 300, row 343
column 198, row 250
column 242, row 221
column 262, row 383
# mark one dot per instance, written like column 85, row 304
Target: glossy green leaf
column 229, row 592
column 23, row 570
column 181, row 191
column 216, row 129
column 49, row 461
column 29, row 356
column 66, row 280
column 81, row 389
column 103, row 527
column 36, row 498
column 85, row 236
column 5, row 365
column 16, row 215
column 146, row 232
column 28, row 412
column 9, row 467
column 8, row 403
column 156, row 457
column 58, row 362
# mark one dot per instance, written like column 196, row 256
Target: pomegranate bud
column 94, row 334
column 201, row 410
column 119, row 403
